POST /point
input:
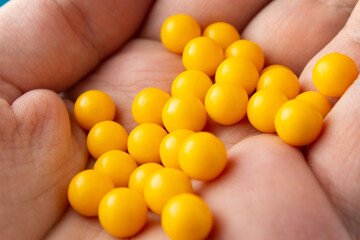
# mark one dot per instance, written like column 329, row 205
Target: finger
column 52, row 44
column 205, row 12
column 335, row 158
column 268, row 192
column 292, row 32
column 41, row 149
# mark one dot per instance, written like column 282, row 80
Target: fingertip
column 40, row 110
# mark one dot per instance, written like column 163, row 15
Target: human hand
column 269, row 190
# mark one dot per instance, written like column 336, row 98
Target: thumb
column 41, row 149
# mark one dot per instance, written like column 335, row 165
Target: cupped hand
column 269, row 190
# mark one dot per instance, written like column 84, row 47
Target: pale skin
column 270, row 190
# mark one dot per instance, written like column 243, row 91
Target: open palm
column 269, row 190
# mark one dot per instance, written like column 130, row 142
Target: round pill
column 222, row 33
column 148, row 104
column 226, row 102
column 140, row 175
column 318, row 100
column 123, row 212
column 177, row 31
column 239, row 71
column 192, row 82
column 106, row 136
column 93, row 106
column 169, row 147
column 117, row 165
column 334, row 73
column 247, row 49
column 298, row 123
column 144, row 142
column 282, row 79
column 262, row 108
column 184, row 112
column 202, row 54
column 164, row 184
column 86, row 190
column 202, row 156
column 186, row 216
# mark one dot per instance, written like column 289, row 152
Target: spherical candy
column 298, row 123
column 202, row 156
column 106, row 136
column 222, row 33
column 192, row 82
column 117, row 165
column 164, row 184
column 144, row 142
column 240, row 71
column 186, row 217
column 226, row 102
column 169, row 147
column 93, row 106
column 148, row 104
column 272, row 67
column 282, row 79
column 262, row 108
column 184, row 112
column 86, row 190
column 177, row 31
column 334, row 73
column 202, row 54
column 318, row 100
column 123, row 212
column 140, row 175
column 247, row 49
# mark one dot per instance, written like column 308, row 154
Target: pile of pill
column 152, row 167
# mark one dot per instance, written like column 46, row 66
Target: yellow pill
column 184, row 112
column 222, row 33
column 247, row 49
column 192, row 82
column 202, row 156
column 318, row 100
column 262, row 108
column 169, row 147
column 177, row 31
column 117, row 165
column 164, row 184
column 93, row 106
column 239, row 71
column 186, row 216
column 202, row 54
column 226, row 102
column 148, row 104
column 123, row 212
column 281, row 79
column 334, row 73
column 140, row 175
column 144, row 142
column 272, row 67
column 106, row 136
column 298, row 123
column 86, row 190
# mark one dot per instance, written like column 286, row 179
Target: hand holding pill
column 282, row 152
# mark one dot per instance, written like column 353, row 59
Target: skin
column 269, row 190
